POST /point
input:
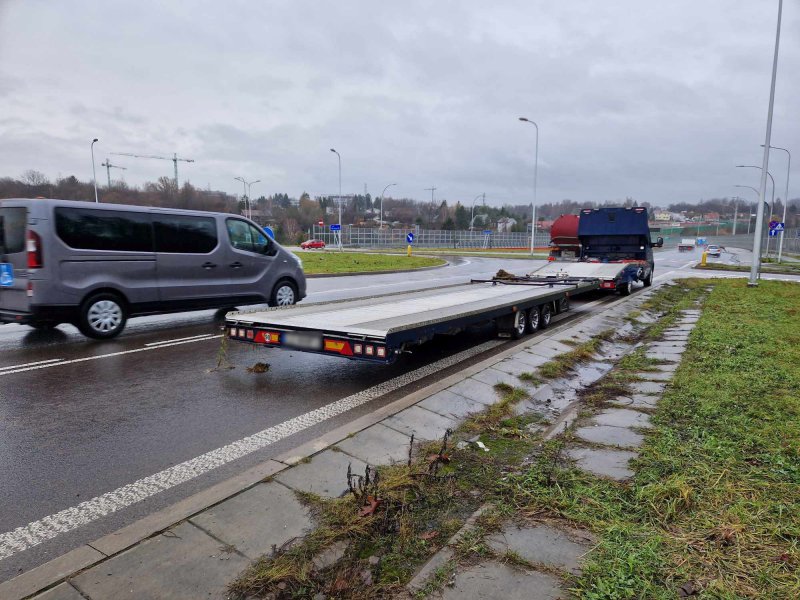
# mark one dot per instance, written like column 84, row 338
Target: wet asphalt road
column 73, row 431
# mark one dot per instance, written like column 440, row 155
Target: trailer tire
column 625, row 289
column 520, row 324
column 545, row 316
column 533, row 320
column 563, row 305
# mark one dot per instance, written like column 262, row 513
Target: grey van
column 95, row 265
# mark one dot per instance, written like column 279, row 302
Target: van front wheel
column 102, row 316
column 284, row 294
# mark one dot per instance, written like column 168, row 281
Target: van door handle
column 236, row 265
column 209, row 265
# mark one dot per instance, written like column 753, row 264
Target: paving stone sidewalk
column 200, row 556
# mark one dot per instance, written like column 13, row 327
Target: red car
column 312, row 244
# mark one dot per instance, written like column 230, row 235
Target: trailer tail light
column 358, row 348
column 267, row 337
column 34, row 248
column 30, row 289
column 381, row 352
column 369, row 350
column 250, row 334
column 339, row 347
column 608, row 285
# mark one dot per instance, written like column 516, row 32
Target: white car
column 714, row 250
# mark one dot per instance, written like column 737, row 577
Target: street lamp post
column 755, row 267
column 339, row 233
column 785, row 198
column 535, row 177
column 472, row 212
column 380, row 219
column 772, row 203
column 244, row 194
column 94, row 174
column 749, row 212
column 249, row 195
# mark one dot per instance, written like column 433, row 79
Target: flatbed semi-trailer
column 379, row 329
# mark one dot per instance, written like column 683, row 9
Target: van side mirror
column 658, row 243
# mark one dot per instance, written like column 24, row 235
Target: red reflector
column 34, row 248
column 30, row 289
column 250, row 334
column 339, row 346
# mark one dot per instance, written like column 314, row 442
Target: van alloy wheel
column 284, row 295
column 104, row 316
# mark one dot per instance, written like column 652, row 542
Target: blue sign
column 269, row 232
column 6, row 275
column 772, row 224
column 778, row 227
column 336, row 227
column 487, row 232
column 410, row 238
column 773, row 233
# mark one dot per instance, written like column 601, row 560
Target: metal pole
column 94, row 174
column 749, row 211
column 785, row 198
column 772, row 179
column 339, row 233
column 380, row 218
column 175, row 164
column 755, row 267
column 472, row 212
column 735, row 212
column 535, row 182
column 108, row 172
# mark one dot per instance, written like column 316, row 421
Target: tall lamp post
column 339, row 156
column 785, row 198
column 249, row 195
column 756, row 266
column 772, row 203
column 535, row 177
column 380, row 219
column 94, row 173
column 472, row 212
column 749, row 213
column 244, row 194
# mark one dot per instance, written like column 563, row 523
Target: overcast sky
column 657, row 101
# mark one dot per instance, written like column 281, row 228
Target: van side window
column 13, row 224
column 87, row 229
column 244, row 236
column 185, row 235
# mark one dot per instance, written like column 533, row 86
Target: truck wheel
column 102, row 316
column 648, row 281
column 533, row 320
column 545, row 316
column 520, row 324
column 625, row 289
column 563, row 305
column 284, row 294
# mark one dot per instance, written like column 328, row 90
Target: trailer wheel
column 520, row 324
column 563, row 305
column 625, row 289
column 545, row 316
column 533, row 320
column 648, row 281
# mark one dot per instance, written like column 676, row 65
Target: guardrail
column 367, row 237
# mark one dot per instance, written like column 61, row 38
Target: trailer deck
column 380, row 328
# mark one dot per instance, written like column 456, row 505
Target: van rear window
column 13, row 223
column 185, row 235
column 87, row 229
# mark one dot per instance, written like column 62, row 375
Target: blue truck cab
column 619, row 235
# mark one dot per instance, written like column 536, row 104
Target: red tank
column 564, row 242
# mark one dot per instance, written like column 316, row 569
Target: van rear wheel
column 284, row 294
column 102, row 316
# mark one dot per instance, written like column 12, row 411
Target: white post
column 94, row 174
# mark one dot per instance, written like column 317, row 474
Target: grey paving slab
column 424, row 424
column 610, row 436
column 665, row 356
column 325, row 475
column 495, row 580
column 534, row 360
column 543, row 544
column 652, row 388
column 61, row 592
column 588, row 373
column 476, row 390
column 681, row 328
column 379, row 445
column 637, row 401
column 676, row 345
column 513, row 366
column 182, row 563
column 667, row 367
column 622, row 417
column 256, row 520
column 492, row 376
column 655, row 375
column 605, row 463
column 452, row 405
column 549, row 348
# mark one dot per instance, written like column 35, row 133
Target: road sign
column 321, row 223
column 269, row 232
column 487, row 232
column 336, row 227
column 6, row 275
column 779, row 226
column 410, row 238
column 772, row 224
column 773, row 233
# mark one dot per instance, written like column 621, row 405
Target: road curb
column 50, row 574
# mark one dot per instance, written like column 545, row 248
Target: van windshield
column 12, row 229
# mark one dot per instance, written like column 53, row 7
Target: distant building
column 505, row 224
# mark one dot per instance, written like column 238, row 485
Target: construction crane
column 174, row 160
column 108, row 167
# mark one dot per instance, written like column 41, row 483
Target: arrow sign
column 773, row 233
column 410, row 238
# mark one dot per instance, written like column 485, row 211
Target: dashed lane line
column 31, row 364
column 33, row 534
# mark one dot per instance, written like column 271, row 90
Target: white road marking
column 663, row 275
column 38, row 362
column 183, row 339
column 688, row 264
column 33, row 534
column 33, row 366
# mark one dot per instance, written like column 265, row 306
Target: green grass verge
column 317, row 263
column 714, row 507
column 785, row 268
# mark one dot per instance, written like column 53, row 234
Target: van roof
column 104, row 206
